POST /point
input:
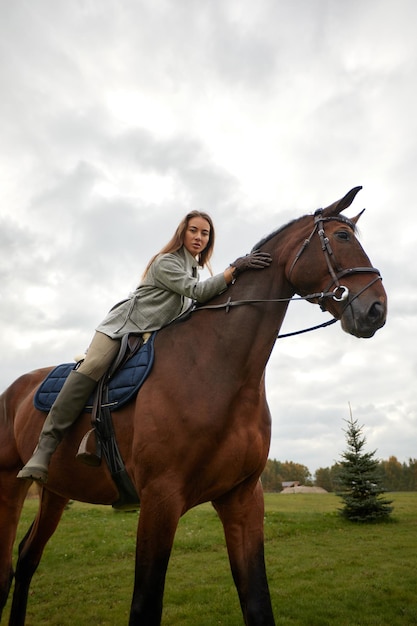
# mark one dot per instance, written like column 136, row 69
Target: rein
column 340, row 293
column 231, row 303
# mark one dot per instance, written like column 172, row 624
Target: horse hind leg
column 12, row 497
column 31, row 548
column 242, row 516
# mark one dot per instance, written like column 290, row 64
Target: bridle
column 340, row 293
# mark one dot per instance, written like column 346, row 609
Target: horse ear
column 340, row 205
column 355, row 219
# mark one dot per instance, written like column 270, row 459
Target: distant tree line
column 277, row 472
column 395, row 476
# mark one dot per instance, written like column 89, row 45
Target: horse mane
column 339, row 218
column 267, row 238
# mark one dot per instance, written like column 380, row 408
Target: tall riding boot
column 67, row 407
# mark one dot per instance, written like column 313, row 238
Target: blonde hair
column 177, row 241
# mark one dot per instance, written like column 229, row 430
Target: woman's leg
column 100, row 355
column 69, row 404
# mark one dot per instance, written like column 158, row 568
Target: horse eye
column 342, row 234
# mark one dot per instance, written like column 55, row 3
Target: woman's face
column 197, row 235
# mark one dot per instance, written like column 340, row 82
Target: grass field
column 322, row 569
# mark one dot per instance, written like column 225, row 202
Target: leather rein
column 340, row 293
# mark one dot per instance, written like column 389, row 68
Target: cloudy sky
column 119, row 116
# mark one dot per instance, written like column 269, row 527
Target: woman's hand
column 254, row 261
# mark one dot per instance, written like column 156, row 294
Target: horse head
column 331, row 262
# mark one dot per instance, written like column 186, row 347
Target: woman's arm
column 228, row 274
column 171, row 274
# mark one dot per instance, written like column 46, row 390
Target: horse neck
column 247, row 332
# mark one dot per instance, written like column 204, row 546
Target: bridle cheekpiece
column 340, row 293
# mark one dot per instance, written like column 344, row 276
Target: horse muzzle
column 362, row 317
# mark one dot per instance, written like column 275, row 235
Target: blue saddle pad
column 123, row 386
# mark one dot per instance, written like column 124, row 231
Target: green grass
column 322, row 569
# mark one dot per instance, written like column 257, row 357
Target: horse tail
column 3, row 412
column 6, row 418
column 8, row 450
column 8, row 399
column 10, row 402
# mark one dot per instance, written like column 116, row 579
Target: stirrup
column 89, row 451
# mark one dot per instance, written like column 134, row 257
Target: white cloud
column 117, row 118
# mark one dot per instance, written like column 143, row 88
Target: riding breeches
column 100, row 355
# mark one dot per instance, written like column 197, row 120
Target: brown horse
column 199, row 429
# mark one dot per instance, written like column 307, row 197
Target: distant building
column 290, row 483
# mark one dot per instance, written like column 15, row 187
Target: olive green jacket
column 168, row 290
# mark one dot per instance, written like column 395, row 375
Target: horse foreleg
column 31, row 548
column 242, row 515
column 158, row 523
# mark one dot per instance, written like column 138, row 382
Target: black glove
column 254, row 261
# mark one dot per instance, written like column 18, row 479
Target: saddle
column 114, row 390
column 124, row 379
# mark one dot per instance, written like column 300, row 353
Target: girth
column 101, row 441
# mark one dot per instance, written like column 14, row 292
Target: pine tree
column 359, row 480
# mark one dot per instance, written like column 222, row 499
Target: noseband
column 340, row 293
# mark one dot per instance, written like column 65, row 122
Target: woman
column 169, row 285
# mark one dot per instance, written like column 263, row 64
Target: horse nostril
column 377, row 311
